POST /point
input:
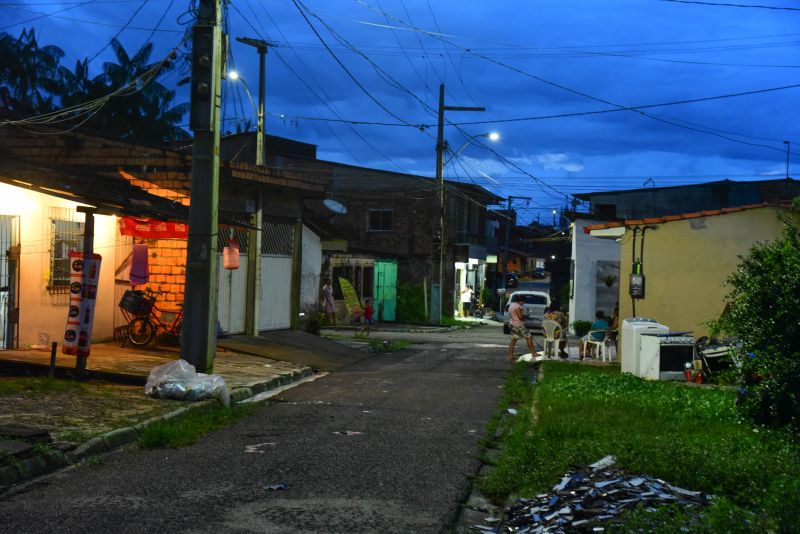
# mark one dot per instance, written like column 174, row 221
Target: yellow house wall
column 685, row 263
column 43, row 316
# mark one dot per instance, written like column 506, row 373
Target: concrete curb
column 47, row 462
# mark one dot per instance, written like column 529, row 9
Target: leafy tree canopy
column 33, row 81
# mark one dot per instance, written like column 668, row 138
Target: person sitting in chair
column 600, row 323
column 554, row 314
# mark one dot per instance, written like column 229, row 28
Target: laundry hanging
column 140, row 269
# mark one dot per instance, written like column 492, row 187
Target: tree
column 146, row 111
column 31, row 78
column 28, row 73
column 763, row 312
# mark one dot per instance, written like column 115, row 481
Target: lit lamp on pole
column 492, row 136
column 261, row 46
column 235, row 76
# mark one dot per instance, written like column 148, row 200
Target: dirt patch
column 75, row 411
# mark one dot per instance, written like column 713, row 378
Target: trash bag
column 179, row 380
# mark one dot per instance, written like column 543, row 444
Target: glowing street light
column 492, row 136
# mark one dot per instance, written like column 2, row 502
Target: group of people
column 599, row 327
column 329, row 306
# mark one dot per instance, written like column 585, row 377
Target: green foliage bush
column 763, row 312
column 581, row 328
column 410, row 303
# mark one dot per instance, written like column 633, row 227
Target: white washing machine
column 630, row 342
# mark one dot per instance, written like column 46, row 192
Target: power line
column 733, row 5
column 144, row 3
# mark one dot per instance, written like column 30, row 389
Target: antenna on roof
column 649, row 180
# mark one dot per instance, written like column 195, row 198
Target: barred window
column 380, row 220
column 66, row 234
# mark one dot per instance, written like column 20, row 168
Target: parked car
column 511, row 280
column 539, row 273
column 533, row 305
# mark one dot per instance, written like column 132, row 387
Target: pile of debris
column 587, row 499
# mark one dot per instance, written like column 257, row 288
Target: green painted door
column 385, row 289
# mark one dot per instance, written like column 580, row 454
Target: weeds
column 191, row 426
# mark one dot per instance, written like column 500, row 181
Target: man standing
column 518, row 329
column 466, row 301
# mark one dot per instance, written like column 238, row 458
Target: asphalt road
column 387, row 444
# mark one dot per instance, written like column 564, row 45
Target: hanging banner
column 82, row 297
column 152, row 228
column 350, row 299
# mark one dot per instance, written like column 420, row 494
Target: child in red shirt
column 368, row 321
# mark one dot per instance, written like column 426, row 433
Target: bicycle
column 145, row 317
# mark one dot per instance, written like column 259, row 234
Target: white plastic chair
column 601, row 344
column 551, row 342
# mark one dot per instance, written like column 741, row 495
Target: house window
column 65, row 235
column 380, row 220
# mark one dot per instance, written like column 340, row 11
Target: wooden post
column 52, row 371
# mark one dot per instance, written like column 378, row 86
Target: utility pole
column 199, row 339
column 504, row 257
column 261, row 46
column 253, row 283
column 439, row 237
column 788, row 144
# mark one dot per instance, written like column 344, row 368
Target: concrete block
column 31, row 467
column 239, row 394
column 8, row 475
column 90, row 448
column 119, row 437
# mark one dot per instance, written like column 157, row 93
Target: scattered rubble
column 587, row 500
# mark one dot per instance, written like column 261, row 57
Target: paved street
column 384, row 445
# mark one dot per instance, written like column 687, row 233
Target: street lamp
column 493, row 136
column 261, row 46
column 236, row 77
column 438, row 255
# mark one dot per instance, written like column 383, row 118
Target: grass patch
column 188, row 428
column 17, row 385
column 691, row 437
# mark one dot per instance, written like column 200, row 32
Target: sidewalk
column 45, row 426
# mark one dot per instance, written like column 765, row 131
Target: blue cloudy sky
column 360, row 79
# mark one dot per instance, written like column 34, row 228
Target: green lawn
column 691, row 437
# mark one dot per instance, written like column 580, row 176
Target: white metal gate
column 232, row 297
column 9, row 261
column 275, row 306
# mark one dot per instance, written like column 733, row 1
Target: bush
column 489, row 298
column 581, row 328
column 410, row 304
column 763, row 312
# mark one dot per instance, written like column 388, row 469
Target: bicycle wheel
column 141, row 331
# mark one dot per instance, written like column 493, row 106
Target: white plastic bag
column 179, row 380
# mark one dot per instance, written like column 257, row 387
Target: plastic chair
column 551, row 342
column 601, row 344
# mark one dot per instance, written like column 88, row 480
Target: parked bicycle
column 146, row 319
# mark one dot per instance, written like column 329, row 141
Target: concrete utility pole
column 439, row 237
column 252, row 311
column 504, row 258
column 199, row 335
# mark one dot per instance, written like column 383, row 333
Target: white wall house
column 595, row 273
column 46, row 228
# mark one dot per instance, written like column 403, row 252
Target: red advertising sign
column 153, row 228
column 82, row 296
